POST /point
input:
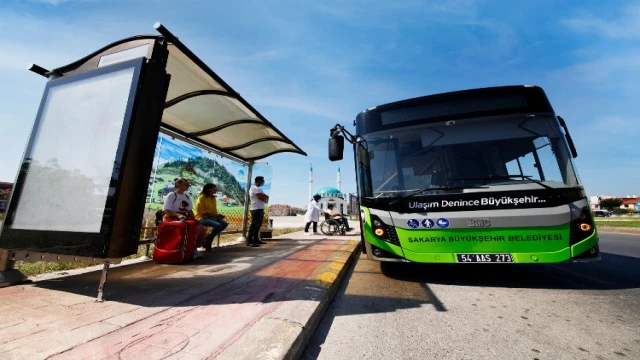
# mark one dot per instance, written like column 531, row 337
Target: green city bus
column 474, row 176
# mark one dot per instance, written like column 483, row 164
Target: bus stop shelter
column 162, row 87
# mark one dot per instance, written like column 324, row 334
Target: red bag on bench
column 175, row 241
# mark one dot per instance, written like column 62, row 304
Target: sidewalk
column 236, row 303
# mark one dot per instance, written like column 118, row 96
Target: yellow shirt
column 206, row 206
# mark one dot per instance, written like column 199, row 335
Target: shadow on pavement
column 234, row 274
column 611, row 272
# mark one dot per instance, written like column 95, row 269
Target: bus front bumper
column 586, row 250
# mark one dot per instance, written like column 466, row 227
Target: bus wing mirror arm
column 336, row 141
column 572, row 146
column 339, row 129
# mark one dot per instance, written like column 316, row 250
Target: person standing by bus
column 258, row 198
column 312, row 215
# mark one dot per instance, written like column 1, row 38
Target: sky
column 308, row 65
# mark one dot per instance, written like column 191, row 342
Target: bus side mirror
column 336, row 147
column 567, row 136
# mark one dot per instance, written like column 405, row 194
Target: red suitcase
column 175, row 241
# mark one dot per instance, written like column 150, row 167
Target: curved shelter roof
column 200, row 107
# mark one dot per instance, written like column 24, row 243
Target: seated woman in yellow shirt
column 206, row 212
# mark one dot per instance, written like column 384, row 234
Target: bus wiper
column 435, row 189
column 385, row 192
column 505, row 177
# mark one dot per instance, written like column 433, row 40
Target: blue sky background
column 309, row 65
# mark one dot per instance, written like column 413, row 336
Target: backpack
column 159, row 215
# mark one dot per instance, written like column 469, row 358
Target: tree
column 610, row 204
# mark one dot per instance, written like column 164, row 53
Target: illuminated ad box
column 81, row 187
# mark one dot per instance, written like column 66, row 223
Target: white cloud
column 18, row 56
column 60, row 2
column 364, row 14
column 48, row 42
column 308, row 105
column 610, row 130
column 617, row 70
column 598, row 99
column 625, row 24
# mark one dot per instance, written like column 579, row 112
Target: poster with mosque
column 175, row 158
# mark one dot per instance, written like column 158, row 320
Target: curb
column 618, row 230
column 289, row 328
column 329, row 281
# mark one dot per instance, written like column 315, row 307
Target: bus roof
column 490, row 101
column 464, row 94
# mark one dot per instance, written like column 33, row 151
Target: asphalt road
column 564, row 311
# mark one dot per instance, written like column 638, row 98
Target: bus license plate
column 484, row 258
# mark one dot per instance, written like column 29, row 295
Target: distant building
column 284, row 210
column 630, row 202
column 331, row 195
column 5, row 192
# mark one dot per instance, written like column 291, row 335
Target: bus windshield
column 467, row 155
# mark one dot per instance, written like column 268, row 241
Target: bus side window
column 363, row 171
column 549, row 160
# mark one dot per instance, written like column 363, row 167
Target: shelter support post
column 8, row 275
column 247, row 199
column 146, row 256
column 103, row 281
column 146, row 241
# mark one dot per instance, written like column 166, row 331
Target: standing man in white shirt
column 258, row 198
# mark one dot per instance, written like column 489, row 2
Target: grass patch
column 31, row 268
column 278, row 232
column 619, row 223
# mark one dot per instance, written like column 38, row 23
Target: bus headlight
column 384, row 231
column 585, row 227
column 582, row 227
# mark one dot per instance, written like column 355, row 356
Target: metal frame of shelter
column 199, row 108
